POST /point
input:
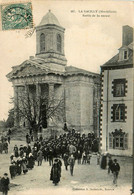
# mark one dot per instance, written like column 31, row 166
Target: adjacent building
column 47, row 72
column 116, row 114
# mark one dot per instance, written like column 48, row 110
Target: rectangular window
column 119, row 87
column 125, row 55
column 119, row 142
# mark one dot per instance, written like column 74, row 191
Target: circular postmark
column 17, row 16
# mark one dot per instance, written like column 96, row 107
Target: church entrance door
column 43, row 116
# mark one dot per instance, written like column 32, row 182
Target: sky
column 90, row 39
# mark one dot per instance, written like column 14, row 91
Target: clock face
column 17, row 16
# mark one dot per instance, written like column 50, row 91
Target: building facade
column 47, row 72
column 116, row 115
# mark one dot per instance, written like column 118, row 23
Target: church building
column 116, row 115
column 48, row 72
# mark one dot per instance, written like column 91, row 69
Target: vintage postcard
column 66, row 97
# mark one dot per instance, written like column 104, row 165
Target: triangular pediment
column 33, row 67
column 27, row 68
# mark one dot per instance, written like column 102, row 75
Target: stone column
column 16, row 111
column 38, row 94
column 26, row 88
column 50, row 98
column 38, row 89
column 51, row 90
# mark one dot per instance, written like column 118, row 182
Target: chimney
column 127, row 35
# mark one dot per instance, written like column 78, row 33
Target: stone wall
column 108, row 100
column 81, row 103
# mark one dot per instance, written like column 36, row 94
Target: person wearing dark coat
column 28, row 149
column 5, row 184
column 1, row 147
column 104, row 161
column 12, row 170
column 8, row 138
column 35, row 151
column 110, row 163
column 65, row 158
column 55, row 172
column 9, row 132
column 30, row 164
column 21, row 152
column 5, row 147
column 27, row 138
column 19, row 166
column 16, row 153
column 115, row 170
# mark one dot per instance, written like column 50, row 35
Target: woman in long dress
column 103, row 164
column 55, row 172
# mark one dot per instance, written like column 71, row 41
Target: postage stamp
column 16, row 16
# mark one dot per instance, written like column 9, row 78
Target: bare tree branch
column 31, row 107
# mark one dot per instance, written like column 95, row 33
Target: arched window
column 42, row 42
column 58, row 43
column 118, row 112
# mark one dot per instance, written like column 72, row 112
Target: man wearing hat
column 5, row 184
column 115, row 170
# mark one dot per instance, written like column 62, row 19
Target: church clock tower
column 50, row 40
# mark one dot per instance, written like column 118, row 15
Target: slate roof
column 70, row 70
column 114, row 61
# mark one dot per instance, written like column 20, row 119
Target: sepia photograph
column 66, row 97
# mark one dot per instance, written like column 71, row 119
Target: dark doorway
column 43, row 116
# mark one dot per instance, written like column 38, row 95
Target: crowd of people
column 69, row 148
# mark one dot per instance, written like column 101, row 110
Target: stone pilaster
column 26, row 88
column 50, row 99
column 16, row 111
column 51, row 91
column 38, row 90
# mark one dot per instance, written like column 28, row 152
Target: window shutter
column 126, row 141
column 110, row 140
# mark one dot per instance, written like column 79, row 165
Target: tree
column 38, row 109
column 10, row 119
